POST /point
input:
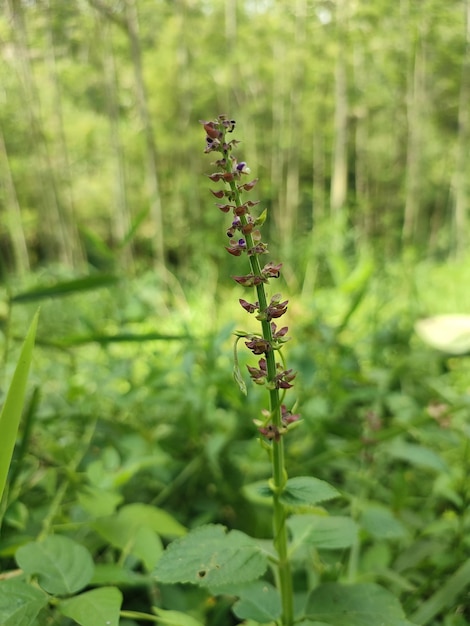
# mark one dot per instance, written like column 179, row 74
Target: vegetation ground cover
column 159, row 421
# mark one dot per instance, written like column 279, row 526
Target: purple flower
column 270, row 270
column 248, row 186
column 236, row 223
column 250, row 280
column 260, row 248
column 250, row 308
column 284, row 378
column 279, row 334
column 287, row 417
column 258, row 345
column 236, row 247
column 258, row 375
column 242, row 168
column 271, row 432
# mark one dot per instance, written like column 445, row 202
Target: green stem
column 277, row 457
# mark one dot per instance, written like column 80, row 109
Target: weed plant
column 146, row 487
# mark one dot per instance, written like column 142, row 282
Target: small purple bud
column 242, row 168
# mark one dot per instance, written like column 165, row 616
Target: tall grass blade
column 445, row 596
column 12, row 409
column 66, row 287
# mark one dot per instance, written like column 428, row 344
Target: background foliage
column 353, row 113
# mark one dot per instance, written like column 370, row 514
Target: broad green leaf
column 307, row 491
column 175, row 618
column 157, row 519
column 259, row 493
column 210, row 556
column 323, row 532
column 355, row 605
column 259, row 601
column 11, row 413
column 134, row 538
column 416, row 455
column 98, row 607
column 380, row 522
column 448, row 333
column 445, row 596
column 19, row 603
column 300, row 492
column 62, row 565
column 112, row 574
column 99, row 502
column 66, row 287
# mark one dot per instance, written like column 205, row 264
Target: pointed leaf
column 323, row 532
column 112, row 574
column 210, row 556
column 175, row 618
column 62, row 565
column 157, row 519
column 238, row 378
column 417, row 455
column 300, row 492
column 380, row 522
column 20, row 603
column 237, row 375
column 355, row 605
column 98, row 607
column 66, row 287
column 445, row 597
column 307, row 491
column 11, row 412
column 259, row 601
column 139, row 540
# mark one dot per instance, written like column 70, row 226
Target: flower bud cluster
column 245, row 238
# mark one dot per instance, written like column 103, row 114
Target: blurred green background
column 353, row 114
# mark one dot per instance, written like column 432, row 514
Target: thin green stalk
column 277, row 456
column 270, row 373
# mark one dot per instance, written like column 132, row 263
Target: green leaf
column 104, row 340
column 300, row 492
column 259, row 493
column 98, row 607
column 157, row 519
column 66, row 287
column 307, row 491
column 112, row 574
column 260, row 220
column 11, row 413
column 356, row 605
column 323, row 532
column 210, row 556
column 99, row 502
column 448, row 333
column 380, row 522
column 61, row 564
column 137, row 539
column 417, row 455
column 175, row 618
column 445, row 596
column 259, row 601
column 238, row 378
column 19, row 603
column 237, row 375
